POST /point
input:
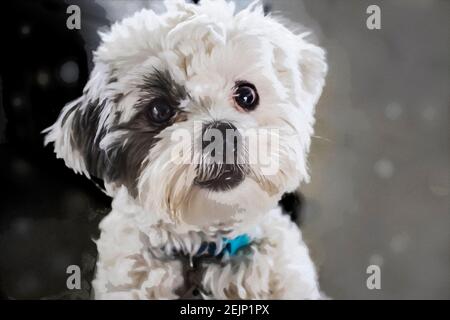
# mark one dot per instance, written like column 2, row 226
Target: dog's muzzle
column 222, row 166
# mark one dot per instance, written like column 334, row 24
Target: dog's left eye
column 246, row 96
column 160, row 111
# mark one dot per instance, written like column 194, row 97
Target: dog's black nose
column 220, row 142
column 220, row 169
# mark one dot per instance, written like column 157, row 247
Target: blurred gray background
column 379, row 190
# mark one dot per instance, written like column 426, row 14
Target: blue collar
column 228, row 246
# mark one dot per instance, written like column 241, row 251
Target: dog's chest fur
column 136, row 262
column 139, row 261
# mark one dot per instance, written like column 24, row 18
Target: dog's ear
column 313, row 69
column 81, row 126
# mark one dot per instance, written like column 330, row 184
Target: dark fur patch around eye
column 117, row 98
column 84, row 128
column 159, row 84
column 122, row 162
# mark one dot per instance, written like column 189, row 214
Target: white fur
column 277, row 267
column 206, row 48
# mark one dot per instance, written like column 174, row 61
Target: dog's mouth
column 229, row 177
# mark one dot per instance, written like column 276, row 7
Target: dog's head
column 204, row 115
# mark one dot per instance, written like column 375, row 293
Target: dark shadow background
column 379, row 192
column 48, row 214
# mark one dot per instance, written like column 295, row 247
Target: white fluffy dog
column 190, row 227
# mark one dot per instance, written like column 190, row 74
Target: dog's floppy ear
column 302, row 65
column 313, row 69
column 81, row 126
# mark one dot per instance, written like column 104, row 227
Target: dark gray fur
column 122, row 163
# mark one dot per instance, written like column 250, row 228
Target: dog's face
column 169, row 91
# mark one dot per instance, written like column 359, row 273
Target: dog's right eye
column 245, row 96
column 159, row 111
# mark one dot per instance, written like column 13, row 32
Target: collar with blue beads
column 208, row 252
column 228, row 246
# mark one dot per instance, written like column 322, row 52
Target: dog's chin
column 229, row 209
